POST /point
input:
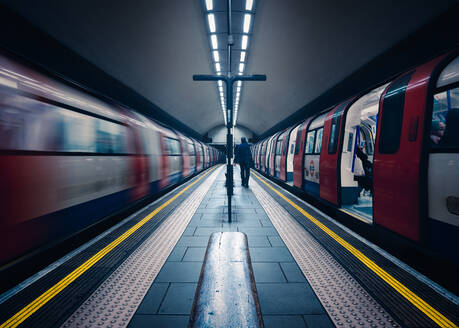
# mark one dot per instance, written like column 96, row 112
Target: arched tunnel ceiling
column 304, row 47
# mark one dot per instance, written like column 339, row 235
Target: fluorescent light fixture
column 213, row 39
column 245, row 39
column 219, row 73
column 243, row 56
column 241, row 67
column 217, row 67
column 239, row 83
column 238, row 89
column 216, row 56
column 211, row 19
column 220, row 88
column 247, row 19
column 248, row 5
column 210, row 5
column 220, row 83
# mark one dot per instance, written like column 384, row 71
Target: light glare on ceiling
column 247, row 18
column 211, row 19
column 245, row 39
column 248, row 5
column 213, row 39
column 210, row 5
column 216, row 57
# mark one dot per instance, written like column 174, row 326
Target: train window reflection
column 445, row 120
column 310, row 142
column 318, row 141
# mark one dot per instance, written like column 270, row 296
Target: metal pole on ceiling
column 229, row 120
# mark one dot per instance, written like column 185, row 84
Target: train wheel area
column 309, row 271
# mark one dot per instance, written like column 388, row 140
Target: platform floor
column 286, row 298
column 309, row 270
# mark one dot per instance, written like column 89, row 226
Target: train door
column 263, row 155
column 290, row 155
column 356, row 172
column 268, row 153
column 285, row 147
column 185, row 155
column 443, row 163
column 299, row 154
column 278, row 154
column 329, row 173
column 312, row 156
column 174, row 156
column 272, row 154
column 192, row 154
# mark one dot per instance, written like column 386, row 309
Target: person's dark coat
column 243, row 154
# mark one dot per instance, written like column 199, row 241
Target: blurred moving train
column 69, row 159
column 388, row 157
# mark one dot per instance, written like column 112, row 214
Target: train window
column 110, row 137
column 191, row 149
column 310, row 142
column 445, row 120
column 318, row 145
column 79, row 132
column 279, row 146
column 334, row 130
column 173, row 146
column 392, row 116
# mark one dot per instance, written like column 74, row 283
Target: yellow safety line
column 32, row 307
column 432, row 313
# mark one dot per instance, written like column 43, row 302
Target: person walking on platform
column 243, row 157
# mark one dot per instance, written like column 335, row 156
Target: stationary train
column 388, row 156
column 68, row 159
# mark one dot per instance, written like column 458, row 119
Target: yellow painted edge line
column 40, row 301
column 427, row 309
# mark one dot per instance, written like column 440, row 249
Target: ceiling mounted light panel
column 213, row 39
column 211, row 19
column 247, row 19
column 245, row 40
column 243, row 56
column 248, row 5
column 210, row 5
column 216, row 56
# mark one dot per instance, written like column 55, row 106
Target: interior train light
column 211, row 19
column 241, row 67
column 213, row 39
column 216, row 57
column 217, row 67
column 245, row 40
column 242, row 58
column 220, row 83
column 247, row 18
column 248, row 5
column 210, row 5
column 239, row 83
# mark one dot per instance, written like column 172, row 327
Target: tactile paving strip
column 344, row 299
column 115, row 301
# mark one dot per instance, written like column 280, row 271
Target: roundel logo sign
column 311, row 168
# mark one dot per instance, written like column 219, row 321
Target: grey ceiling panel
column 304, row 47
